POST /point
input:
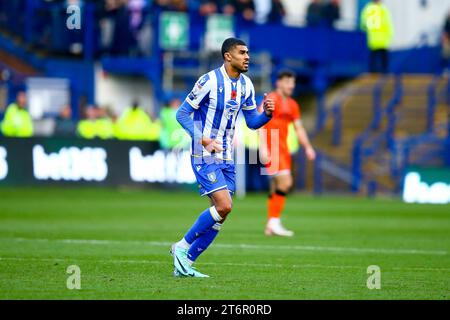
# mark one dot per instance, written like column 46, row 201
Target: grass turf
column 120, row 240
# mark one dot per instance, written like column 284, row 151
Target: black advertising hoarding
column 37, row 161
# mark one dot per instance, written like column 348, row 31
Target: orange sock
column 275, row 205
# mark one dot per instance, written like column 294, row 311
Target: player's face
column 240, row 58
column 286, row 85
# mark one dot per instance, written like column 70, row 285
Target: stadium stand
column 361, row 131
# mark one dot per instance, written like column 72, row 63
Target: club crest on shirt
column 231, row 108
column 212, row 177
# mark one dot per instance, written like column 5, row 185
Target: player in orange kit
column 274, row 150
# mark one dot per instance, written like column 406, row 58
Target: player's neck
column 231, row 72
column 282, row 95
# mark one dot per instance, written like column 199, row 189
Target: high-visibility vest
column 376, row 21
column 87, row 129
column 292, row 140
column 135, row 124
column 17, row 122
column 172, row 133
column 155, row 130
column 104, row 128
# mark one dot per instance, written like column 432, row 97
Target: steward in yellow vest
column 377, row 23
column 17, row 121
column 86, row 128
column 136, row 124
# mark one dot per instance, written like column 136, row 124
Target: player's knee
column 286, row 186
column 282, row 192
column 224, row 208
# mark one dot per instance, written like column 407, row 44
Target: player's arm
column 184, row 118
column 304, row 140
column 253, row 118
column 190, row 104
column 256, row 120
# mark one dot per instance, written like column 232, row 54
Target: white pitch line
column 233, row 264
column 244, row 246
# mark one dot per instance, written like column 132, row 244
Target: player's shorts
column 214, row 175
column 281, row 165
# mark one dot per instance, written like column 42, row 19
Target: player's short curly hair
column 285, row 73
column 230, row 43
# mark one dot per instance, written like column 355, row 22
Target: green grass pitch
column 120, row 240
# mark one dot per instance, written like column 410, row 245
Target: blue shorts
column 214, row 176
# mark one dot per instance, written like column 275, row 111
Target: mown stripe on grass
column 233, row 264
column 243, row 246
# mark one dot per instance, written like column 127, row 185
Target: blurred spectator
column 17, row 121
column 244, row 8
column 314, row 14
column 331, row 13
column 65, row 126
column 208, row 7
column 446, row 42
column 169, row 5
column 376, row 22
column 122, row 36
column 104, row 126
column 277, row 12
column 172, row 134
column 179, row 5
column 136, row 14
column 136, row 124
column 106, row 23
column 96, row 124
column 136, row 9
column 268, row 11
column 86, row 127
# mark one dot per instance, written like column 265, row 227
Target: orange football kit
column 286, row 111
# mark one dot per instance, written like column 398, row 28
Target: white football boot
column 275, row 228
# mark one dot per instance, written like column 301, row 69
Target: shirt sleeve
column 254, row 119
column 201, row 89
column 184, row 119
column 250, row 102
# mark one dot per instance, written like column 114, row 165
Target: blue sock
column 204, row 222
column 203, row 242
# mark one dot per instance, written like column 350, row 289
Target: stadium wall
column 119, row 91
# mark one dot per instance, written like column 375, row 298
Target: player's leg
column 218, row 200
column 212, row 183
column 204, row 240
column 281, row 184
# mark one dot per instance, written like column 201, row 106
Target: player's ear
column 227, row 56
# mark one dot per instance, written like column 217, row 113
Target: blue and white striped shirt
column 217, row 100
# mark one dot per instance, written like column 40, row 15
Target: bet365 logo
column 74, row 19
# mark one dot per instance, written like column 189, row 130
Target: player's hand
column 268, row 105
column 212, row 145
column 310, row 153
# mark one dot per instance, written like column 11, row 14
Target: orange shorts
column 279, row 164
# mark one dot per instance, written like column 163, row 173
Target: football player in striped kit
column 209, row 115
